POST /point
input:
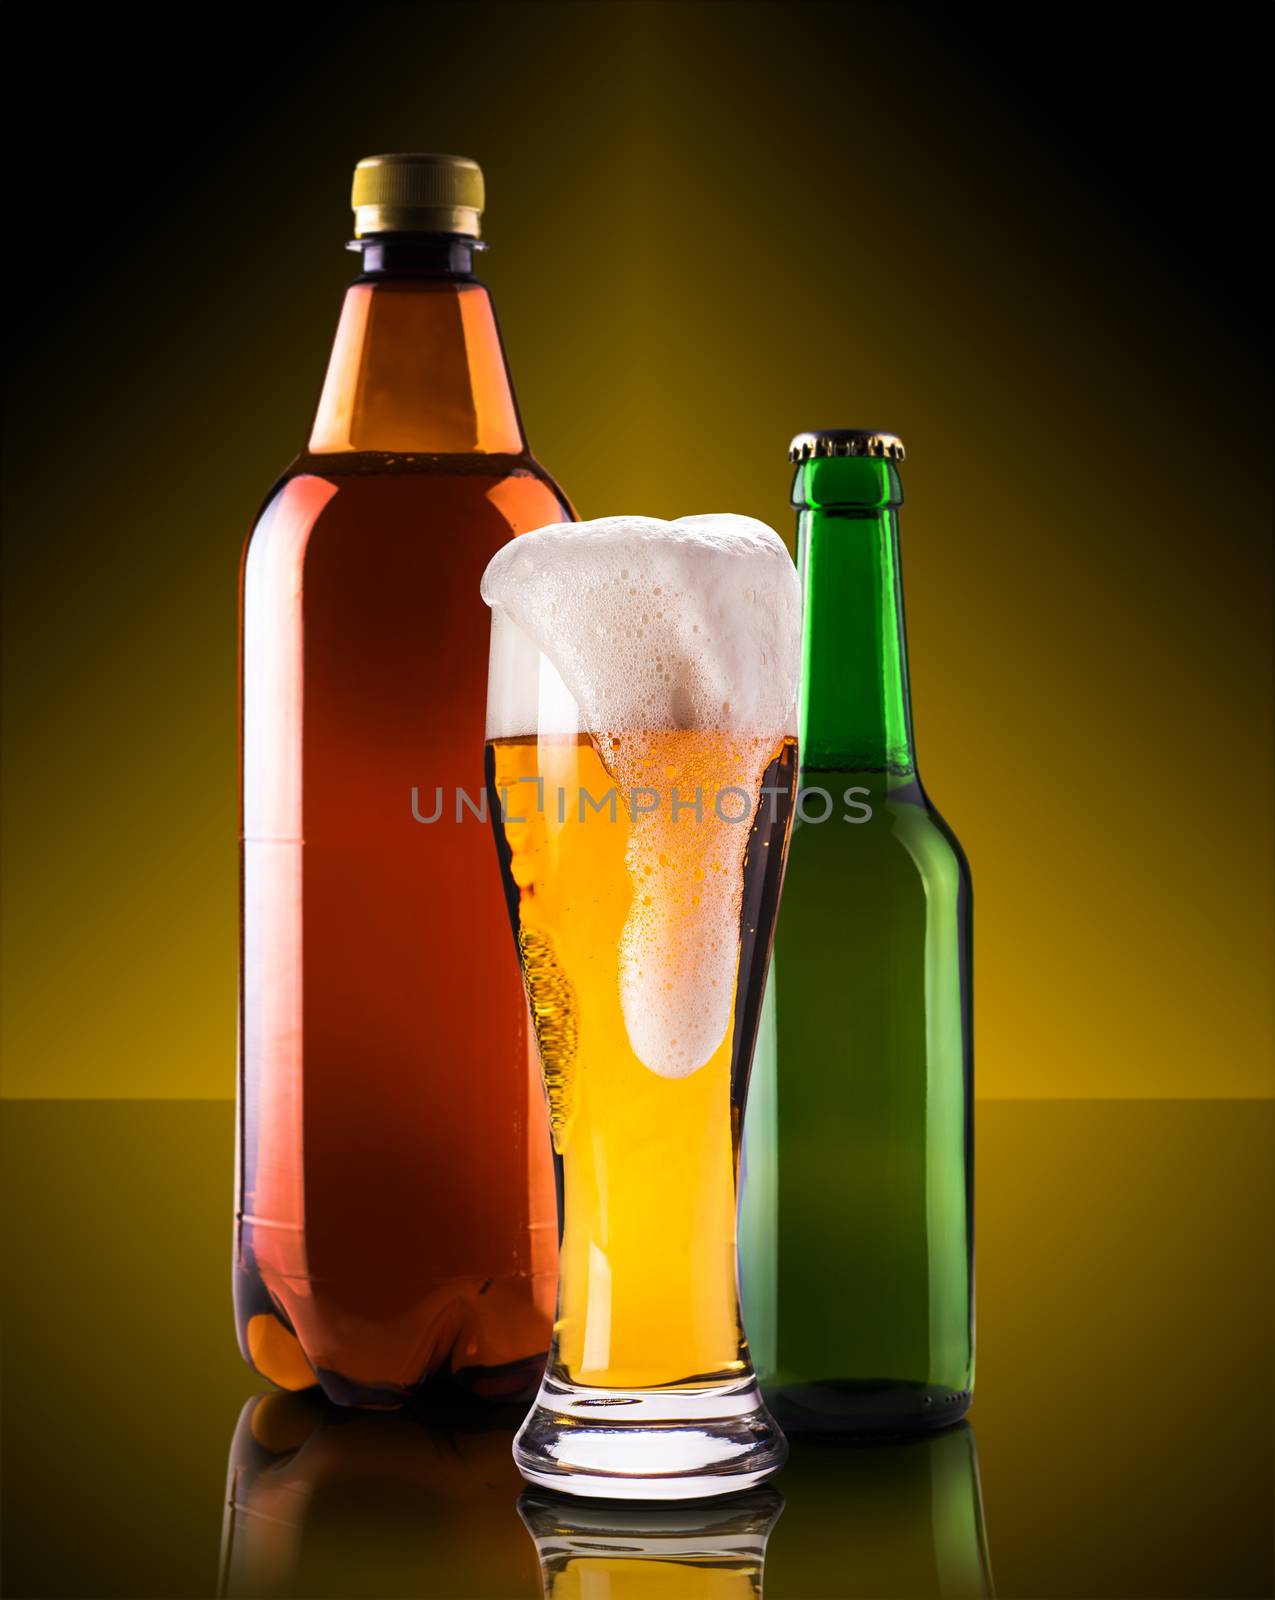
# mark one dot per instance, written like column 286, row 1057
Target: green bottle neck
column 855, row 711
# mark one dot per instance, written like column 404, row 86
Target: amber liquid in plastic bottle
column 396, row 1217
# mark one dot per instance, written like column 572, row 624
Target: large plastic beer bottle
column 856, row 1226
column 396, row 1215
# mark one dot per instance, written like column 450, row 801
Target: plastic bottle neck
column 417, row 365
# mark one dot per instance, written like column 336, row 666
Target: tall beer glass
column 640, row 779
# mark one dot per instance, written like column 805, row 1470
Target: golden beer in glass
column 640, row 786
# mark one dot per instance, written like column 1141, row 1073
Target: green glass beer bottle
column 856, row 1221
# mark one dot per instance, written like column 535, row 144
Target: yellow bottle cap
column 417, row 194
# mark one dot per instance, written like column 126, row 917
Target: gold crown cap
column 417, row 194
column 846, row 442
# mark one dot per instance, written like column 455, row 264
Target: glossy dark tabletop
column 1120, row 1442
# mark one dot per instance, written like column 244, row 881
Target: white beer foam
column 658, row 627
column 687, row 624
column 679, row 950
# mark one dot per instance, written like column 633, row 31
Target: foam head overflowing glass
column 641, row 767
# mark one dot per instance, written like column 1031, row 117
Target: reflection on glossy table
column 1121, row 1431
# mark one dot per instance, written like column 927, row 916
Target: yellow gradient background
column 711, row 226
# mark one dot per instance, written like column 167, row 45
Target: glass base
column 649, row 1444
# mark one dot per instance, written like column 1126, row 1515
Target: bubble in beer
column 678, row 644
column 553, row 1018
